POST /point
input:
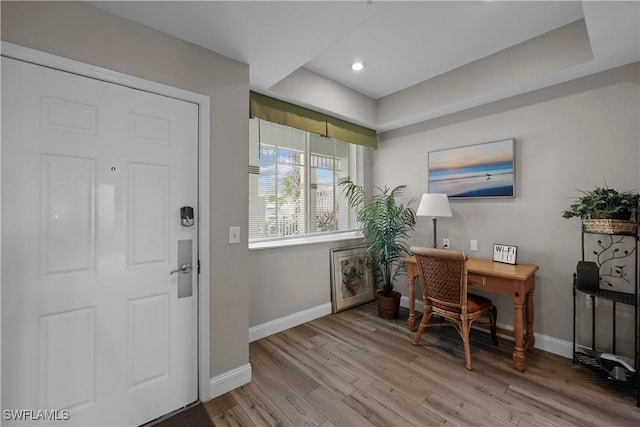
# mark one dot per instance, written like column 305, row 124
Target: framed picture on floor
column 351, row 281
column 475, row 171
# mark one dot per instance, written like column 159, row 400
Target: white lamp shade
column 434, row 204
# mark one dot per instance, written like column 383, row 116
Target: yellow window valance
column 285, row 113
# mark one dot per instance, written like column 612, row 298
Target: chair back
column 443, row 274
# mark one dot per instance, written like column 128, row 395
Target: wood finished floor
column 355, row 369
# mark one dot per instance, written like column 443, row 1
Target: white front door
column 93, row 178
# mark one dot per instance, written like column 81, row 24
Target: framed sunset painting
column 473, row 171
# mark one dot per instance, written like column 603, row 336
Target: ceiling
column 401, row 43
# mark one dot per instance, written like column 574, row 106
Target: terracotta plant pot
column 388, row 307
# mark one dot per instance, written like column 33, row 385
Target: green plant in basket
column 603, row 202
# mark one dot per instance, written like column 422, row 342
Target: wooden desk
column 515, row 280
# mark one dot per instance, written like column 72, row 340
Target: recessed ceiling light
column 357, row 66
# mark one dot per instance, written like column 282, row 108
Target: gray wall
column 82, row 32
column 571, row 136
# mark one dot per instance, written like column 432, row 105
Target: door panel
column 149, row 202
column 68, row 215
column 148, row 339
column 67, row 377
column 93, row 178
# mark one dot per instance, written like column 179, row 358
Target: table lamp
column 434, row 205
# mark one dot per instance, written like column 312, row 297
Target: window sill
column 306, row 240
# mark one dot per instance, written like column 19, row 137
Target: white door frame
column 14, row 51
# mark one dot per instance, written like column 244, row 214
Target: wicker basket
column 609, row 226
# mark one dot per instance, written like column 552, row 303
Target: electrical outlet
column 446, row 243
column 473, row 245
column 234, row 234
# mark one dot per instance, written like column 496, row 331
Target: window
column 294, row 179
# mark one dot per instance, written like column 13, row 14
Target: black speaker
column 587, row 276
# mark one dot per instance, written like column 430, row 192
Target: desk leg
column 412, row 298
column 529, row 338
column 518, row 332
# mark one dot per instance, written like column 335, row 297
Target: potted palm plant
column 385, row 224
column 605, row 210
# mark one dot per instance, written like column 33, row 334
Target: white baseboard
column 284, row 323
column 543, row 342
column 554, row 345
column 230, row 380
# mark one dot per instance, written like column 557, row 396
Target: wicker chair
column 443, row 275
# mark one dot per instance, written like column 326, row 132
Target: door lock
column 184, row 268
column 186, row 216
